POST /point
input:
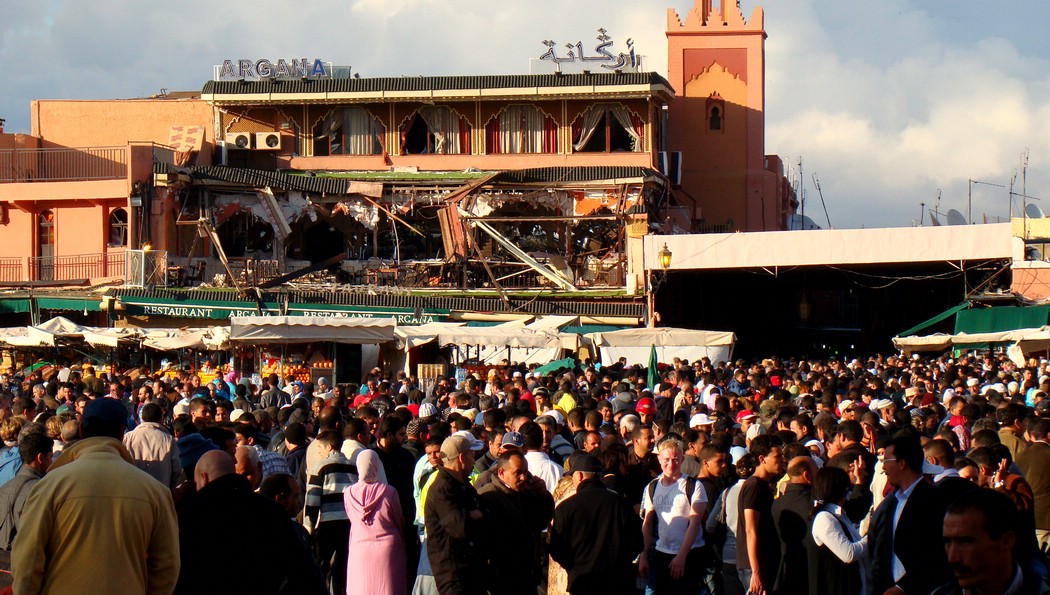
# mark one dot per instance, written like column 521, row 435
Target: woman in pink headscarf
column 377, row 563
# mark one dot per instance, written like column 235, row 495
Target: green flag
column 654, row 373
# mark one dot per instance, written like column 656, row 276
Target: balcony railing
column 63, row 165
column 63, row 268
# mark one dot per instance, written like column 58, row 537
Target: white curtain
column 360, row 132
column 444, row 125
column 591, row 119
column 521, row 129
column 352, row 131
column 624, row 118
column 595, row 117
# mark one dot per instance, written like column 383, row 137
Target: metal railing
column 12, row 269
column 60, row 165
column 62, row 268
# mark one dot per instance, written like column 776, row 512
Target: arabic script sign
column 575, row 59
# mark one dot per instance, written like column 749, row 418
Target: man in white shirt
column 540, row 464
column 673, row 508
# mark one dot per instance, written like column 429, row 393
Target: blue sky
column 887, row 102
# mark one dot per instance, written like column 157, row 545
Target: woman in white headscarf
column 376, row 564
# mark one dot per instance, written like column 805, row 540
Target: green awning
column 14, row 306
column 48, row 303
column 928, row 323
column 998, row 319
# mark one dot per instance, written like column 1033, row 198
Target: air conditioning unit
column 267, row 141
column 238, row 140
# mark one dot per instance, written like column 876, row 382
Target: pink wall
column 77, row 123
column 17, row 234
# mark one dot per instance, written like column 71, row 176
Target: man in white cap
column 453, row 518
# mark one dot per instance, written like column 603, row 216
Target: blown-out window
column 605, row 128
column 521, row 129
column 118, row 228
column 349, row 131
column 435, row 130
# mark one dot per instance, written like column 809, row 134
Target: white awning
column 635, row 344
column 414, row 336
column 308, row 329
column 1021, row 341
column 499, row 336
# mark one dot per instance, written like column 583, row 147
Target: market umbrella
column 568, row 362
column 654, row 373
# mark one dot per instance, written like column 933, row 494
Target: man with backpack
column 673, row 508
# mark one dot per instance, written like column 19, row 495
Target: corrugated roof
column 285, row 180
column 552, row 304
column 432, row 83
column 553, row 175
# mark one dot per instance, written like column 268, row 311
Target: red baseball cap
column 646, row 406
column 745, row 414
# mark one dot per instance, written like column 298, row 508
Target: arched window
column 435, row 130
column 715, row 119
column 118, row 228
column 716, row 112
column 521, row 129
column 605, row 128
column 349, row 131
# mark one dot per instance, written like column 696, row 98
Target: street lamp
column 665, row 257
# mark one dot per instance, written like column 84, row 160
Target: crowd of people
column 889, row 475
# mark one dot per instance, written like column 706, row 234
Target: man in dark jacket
column 791, row 513
column 519, row 509
column 453, row 518
column 596, row 534
column 275, row 561
column 907, row 549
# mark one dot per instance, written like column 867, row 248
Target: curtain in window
column 510, row 130
column 623, row 117
column 592, row 118
column 444, row 125
column 360, row 132
column 352, row 131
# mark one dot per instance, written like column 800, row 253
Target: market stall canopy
column 636, row 344
column 18, row 336
column 1020, row 342
column 499, row 336
column 414, row 336
column 215, row 338
column 308, row 329
column 567, row 363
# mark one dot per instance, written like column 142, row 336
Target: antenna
column 816, row 183
column 922, row 212
column 800, row 191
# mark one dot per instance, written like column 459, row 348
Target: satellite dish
column 956, row 218
column 934, row 220
column 1032, row 211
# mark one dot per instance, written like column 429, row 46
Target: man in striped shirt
column 325, row 517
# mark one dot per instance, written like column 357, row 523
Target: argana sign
column 232, row 70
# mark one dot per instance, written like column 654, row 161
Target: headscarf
column 366, row 496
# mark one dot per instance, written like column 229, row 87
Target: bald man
column 205, row 520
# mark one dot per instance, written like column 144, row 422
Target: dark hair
column 151, row 412
column 533, row 435
column 999, row 511
column 830, row 485
column 907, row 448
column 330, row 438
column 278, row 484
column 763, row 444
column 389, row 426
column 851, row 430
column 31, row 444
column 504, row 458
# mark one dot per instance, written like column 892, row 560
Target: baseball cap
column 584, row 462
column 745, row 415
column 700, row 419
column 513, row 439
column 459, row 443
